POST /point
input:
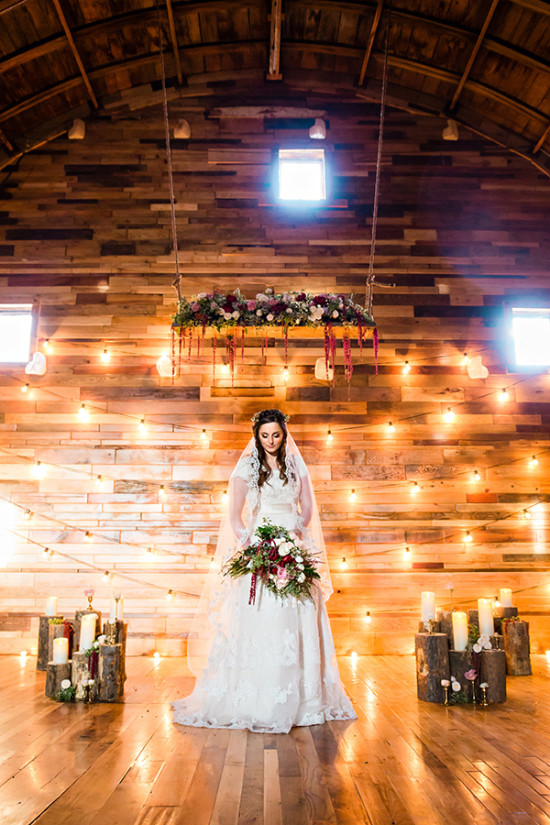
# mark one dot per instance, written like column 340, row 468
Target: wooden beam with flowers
column 288, row 315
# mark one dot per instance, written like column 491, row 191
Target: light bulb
column 142, row 426
column 368, row 617
column 465, row 360
column 150, row 553
column 23, row 655
column 476, row 476
column 406, row 367
column 47, row 346
column 83, row 413
column 343, row 563
column 224, row 496
column 534, row 461
column 107, row 576
column 88, row 536
column 162, row 491
column 497, row 603
column 390, row 427
column 407, row 552
column 170, row 596
column 105, row 356
column 204, row 436
column 503, row 396
column 49, row 554
column 99, row 479
column 330, row 437
column 225, row 369
column 28, row 514
column 353, row 496
column 526, row 514
column 38, row 469
column 415, row 488
column 468, row 537
column 285, row 373
column 449, row 416
column 156, row 656
column 25, row 388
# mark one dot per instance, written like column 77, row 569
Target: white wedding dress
column 273, row 664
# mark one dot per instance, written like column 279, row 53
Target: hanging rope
column 370, row 276
column 176, row 281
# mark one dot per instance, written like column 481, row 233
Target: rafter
column 76, row 54
column 542, row 138
column 274, row 62
column 473, row 55
column 370, row 43
column 174, row 39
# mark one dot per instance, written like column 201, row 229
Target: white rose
column 288, row 311
column 445, row 683
column 95, row 644
column 258, row 312
column 227, row 316
column 300, row 566
column 235, row 314
column 477, row 648
column 202, row 294
column 487, row 646
column 335, row 313
column 484, row 684
column 456, row 686
column 66, row 683
column 293, row 536
column 279, row 540
column 299, row 559
column 91, row 681
column 269, row 317
column 261, row 297
column 101, row 639
column 301, row 578
column 282, row 551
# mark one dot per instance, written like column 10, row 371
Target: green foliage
column 56, row 620
column 66, row 694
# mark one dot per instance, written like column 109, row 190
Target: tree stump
column 517, row 648
column 55, row 674
column 55, row 631
column 446, row 624
column 460, row 662
column 43, row 641
column 77, row 618
column 493, row 671
column 501, row 613
column 430, row 626
column 473, row 617
column 80, row 676
column 110, row 674
column 432, row 665
column 119, row 632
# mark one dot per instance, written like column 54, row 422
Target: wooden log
column 501, row 613
column 517, row 648
column 446, row 624
column 460, row 661
column 55, row 674
column 110, row 674
column 430, row 626
column 80, row 676
column 77, row 619
column 473, row 617
column 44, row 656
column 119, row 631
column 493, row 671
column 55, row 631
column 432, row 665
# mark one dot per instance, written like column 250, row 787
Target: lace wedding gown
column 273, row 664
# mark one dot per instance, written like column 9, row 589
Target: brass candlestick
column 446, row 689
column 484, row 701
column 474, row 698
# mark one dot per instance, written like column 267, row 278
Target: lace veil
column 216, row 605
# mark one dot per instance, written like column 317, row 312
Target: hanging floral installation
column 270, row 314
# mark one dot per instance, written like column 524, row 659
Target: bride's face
column 271, row 437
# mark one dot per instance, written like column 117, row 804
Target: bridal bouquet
column 279, row 559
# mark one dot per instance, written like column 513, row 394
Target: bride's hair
column 270, row 417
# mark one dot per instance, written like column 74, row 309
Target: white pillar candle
column 60, row 650
column 51, row 606
column 87, row 630
column 460, row 630
column 120, row 609
column 505, row 596
column 428, row 606
column 117, row 609
column 485, row 617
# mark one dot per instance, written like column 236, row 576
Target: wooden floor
column 404, row 762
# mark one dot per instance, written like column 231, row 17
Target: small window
column 531, row 337
column 302, row 175
column 16, row 321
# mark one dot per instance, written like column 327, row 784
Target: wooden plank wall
column 85, row 231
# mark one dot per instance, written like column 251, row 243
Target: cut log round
column 517, row 648
column 110, row 675
column 446, row 624
column 77, row 619
column 493, row 671
column 432, row 665
column 55, row 631
column 44, row 655
column 55, row 674
column 430, row 626
column 501, row 613
column 119, row 632
column 80, row 675
column 460, row 662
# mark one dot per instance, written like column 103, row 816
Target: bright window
column 531, row 336
column 302, row 174
column 15, row 333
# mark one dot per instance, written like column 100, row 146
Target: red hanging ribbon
column 375, row 345
column 252, row 597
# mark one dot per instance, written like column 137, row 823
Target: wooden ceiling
column 486, row 64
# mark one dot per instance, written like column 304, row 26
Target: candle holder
column 446, row 689
column 474, row 697
column 112, row 635
column 484, row 702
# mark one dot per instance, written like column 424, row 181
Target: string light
column 28, row 514
column 38, row 470
column 503, row 395
column 368, row 617
column 285, row 373
column 162, row 491
column 406, row 367
column 170, row 596
column 49, row 554
column 390, row 427
column 225, row 369
column 83, row 413
column 105, row 356
column 224, row 496
column 476, row 476
column 25, row 388
column 465, row 359
column 343, row 563
column 415, row 488
column 150, row 553
column 142, row 427
column 407, row 553
column 204, row 436
column 99, row 479
column 497, row 602
column 330, row 437
column 468, row 537
column 449, row 416
column 353, row 496
column 88, row 536
column 107, row 577
column 47, row 346
column 533, row 461
column 526, row 514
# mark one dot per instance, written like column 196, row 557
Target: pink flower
column 194, row 306
column 251, row 305
column 471, row 674
column 89, row 592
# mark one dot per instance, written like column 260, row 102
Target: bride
column 268, row 665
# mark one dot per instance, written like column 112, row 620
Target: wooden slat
column 473, row 55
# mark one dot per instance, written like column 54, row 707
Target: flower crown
column 255, row 418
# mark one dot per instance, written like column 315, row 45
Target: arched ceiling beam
column 274, row 60
column 76, row 54
column 174, row 40
column 370, row 43
column 473, row 55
